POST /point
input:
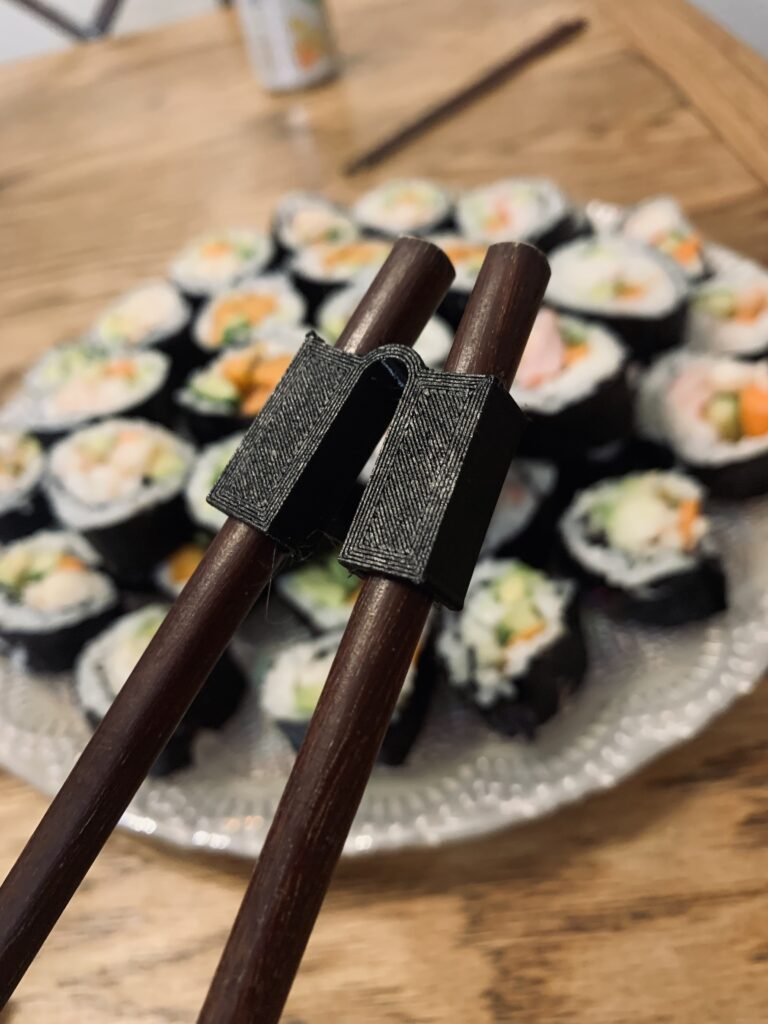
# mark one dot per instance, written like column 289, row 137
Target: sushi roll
column 53, row 598
column 153, row 315
column 644, row 540
column 518, row 209
column 322, row 269
column 173, row 574
column 523, row 521
column 107, row 661
column 225, row 395
column 467, row 258
column 121, row 484
column 321, row 591
column 713, row 414
column 434, row 342
column 729, row 314
column 516, row 651
column 662, row 224
column 632, row 289
column 302, row 219
column 405, row 206
column 23, row 508
column 220, row 260
column 209, row 466
column 572, row 385
column 234, row 318
column 294, row 681
column 79, row 384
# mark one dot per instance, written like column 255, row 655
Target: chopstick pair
column 332, row 768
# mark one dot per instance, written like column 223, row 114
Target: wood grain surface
column 646, row 905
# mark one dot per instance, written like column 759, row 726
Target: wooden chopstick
column 539, row 46
column 233, row 573
column 324, row 790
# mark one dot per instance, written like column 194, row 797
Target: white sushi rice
column 466, row 255
column 654, row 554
column 66, row 486
column 585, row 272
column 208, row 468
column 653, row 220
column 341, row 262
column 291, row 309
column 303, row 219
column 708, row 332
column 605, row 358
column 307, row 665
column 63, row 597
column 75, row 384
column 143, row 316
column 107, row 661
column 199, row 271
column 433, row 344
column 521, row 208
column 403, row 206
column 15, row 489
column 468, row 644
column 667, row 410
column 529, row 483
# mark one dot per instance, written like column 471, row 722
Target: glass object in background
column 289, row 42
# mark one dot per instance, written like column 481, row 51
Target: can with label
column 289, row 41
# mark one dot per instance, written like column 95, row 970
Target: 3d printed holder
column 427, row 506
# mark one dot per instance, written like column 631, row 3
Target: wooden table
column 647, row 904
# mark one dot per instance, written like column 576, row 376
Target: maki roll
column 23, row 508
column 467, row 258
column 729, row 314
column 173, row 574
column 662, row 224
column 713, row 413
column 153, row 315
column 107, row 662
column 303, row 219
column 209, row 466
column 78, row 384
column 321, row 591
column 226, row 394
column 572, row 384
column 295, row 680
column 631, row 288
column 524, row 518
column 406, row 206
column 518, row 209
column 516, row 651
column 434, row 342
column 53, row 598
column 644, row 540
column 321, row 269
column 120, row 483
column 220, row 260
column 234, row 318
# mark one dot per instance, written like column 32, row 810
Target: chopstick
column 233, row 573
column 539, row 46
column 325, row 787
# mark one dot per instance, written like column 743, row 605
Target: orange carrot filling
column 687, row 515
column 183, row 562
column 251, row 308
column 754, row 411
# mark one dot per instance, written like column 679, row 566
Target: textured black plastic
column 425, row 511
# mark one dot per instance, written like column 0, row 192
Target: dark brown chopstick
column 236, row 567
column 538, row 47
column 324, row 790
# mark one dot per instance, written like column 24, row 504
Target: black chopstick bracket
column 427, row 506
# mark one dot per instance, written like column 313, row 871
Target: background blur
column 22, row 35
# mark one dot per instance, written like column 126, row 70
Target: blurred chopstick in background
column 560, row 33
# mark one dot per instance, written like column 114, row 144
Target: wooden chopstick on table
column 539, row 46
column 236, row 568
column 331, row 771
